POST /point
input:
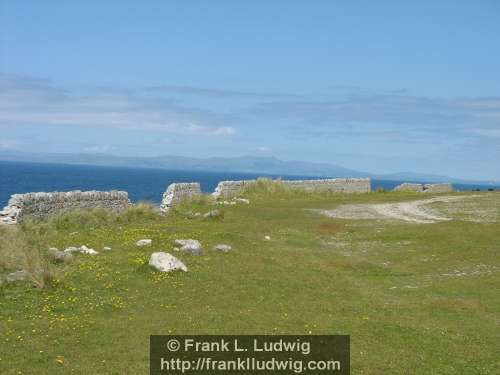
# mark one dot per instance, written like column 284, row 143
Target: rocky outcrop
column 425, row 188
column 177, row 192
column 43, row 205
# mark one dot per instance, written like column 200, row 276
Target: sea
column 142, row 184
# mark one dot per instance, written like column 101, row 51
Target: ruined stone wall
column 438, row 188
column 228, row 189
column 406, row 186
column 338, row 185
column 425, row 188
column 177, row 192
column 43, row 205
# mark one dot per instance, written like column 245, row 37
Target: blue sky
column 380, row 86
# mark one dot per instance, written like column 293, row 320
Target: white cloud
column 98, row 148
column 10, row 144
column 263, row 149
column 39, row 103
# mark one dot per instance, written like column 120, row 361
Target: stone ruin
column 425, row 188
column 228, row 189
column 177, row 192
column 42, row 205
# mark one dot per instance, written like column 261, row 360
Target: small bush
column 380, row 189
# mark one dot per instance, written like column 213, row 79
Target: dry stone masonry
column 228, row 189
column 425, row 188
column 177, row 192
column 44, row 205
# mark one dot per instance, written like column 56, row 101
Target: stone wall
column 407, row 186
column 425, row 188
column 177, row 192
column 43, row 205
column 438, row 188
column 228, row 189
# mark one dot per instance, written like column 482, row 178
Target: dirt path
column 412, row 211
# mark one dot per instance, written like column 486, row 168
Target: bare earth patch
column 418, row 211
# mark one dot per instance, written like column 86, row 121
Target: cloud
column 98, row 148
column 391, row 113
column 263, row 149
column 37, row 102
column 216, row 93
column 10, row 144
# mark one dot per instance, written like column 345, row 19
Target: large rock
column 166, row 262
column 189, row 246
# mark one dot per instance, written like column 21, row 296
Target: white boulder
column 165, row 262
column 223, row 248
column 144, row 242
column 189, row 246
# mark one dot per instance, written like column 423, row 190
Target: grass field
column 415, row 298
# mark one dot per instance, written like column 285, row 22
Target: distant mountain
column 243, row 164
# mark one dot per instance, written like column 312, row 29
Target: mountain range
column 243, row 164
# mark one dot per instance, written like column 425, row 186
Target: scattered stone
column 166, row 262
column 106, row 248
column 52, row 249
column 223, row 247
column 144, row 242
column 177, row 249
column 196, row 214
column 232, row 203
column 189, row 246
column 82, row 250
column 267, row 238
column 17, row 276
column 242, row 200
column 212, row 213
column 62, row 257
column 85, row 250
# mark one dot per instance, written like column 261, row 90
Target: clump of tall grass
column 25, row 248
column 97, row 217
column 188, row 205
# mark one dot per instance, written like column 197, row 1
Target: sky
column 379, row 86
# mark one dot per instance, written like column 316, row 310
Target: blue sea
column 142, row 184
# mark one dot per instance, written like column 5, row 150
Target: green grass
column 391, row 286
